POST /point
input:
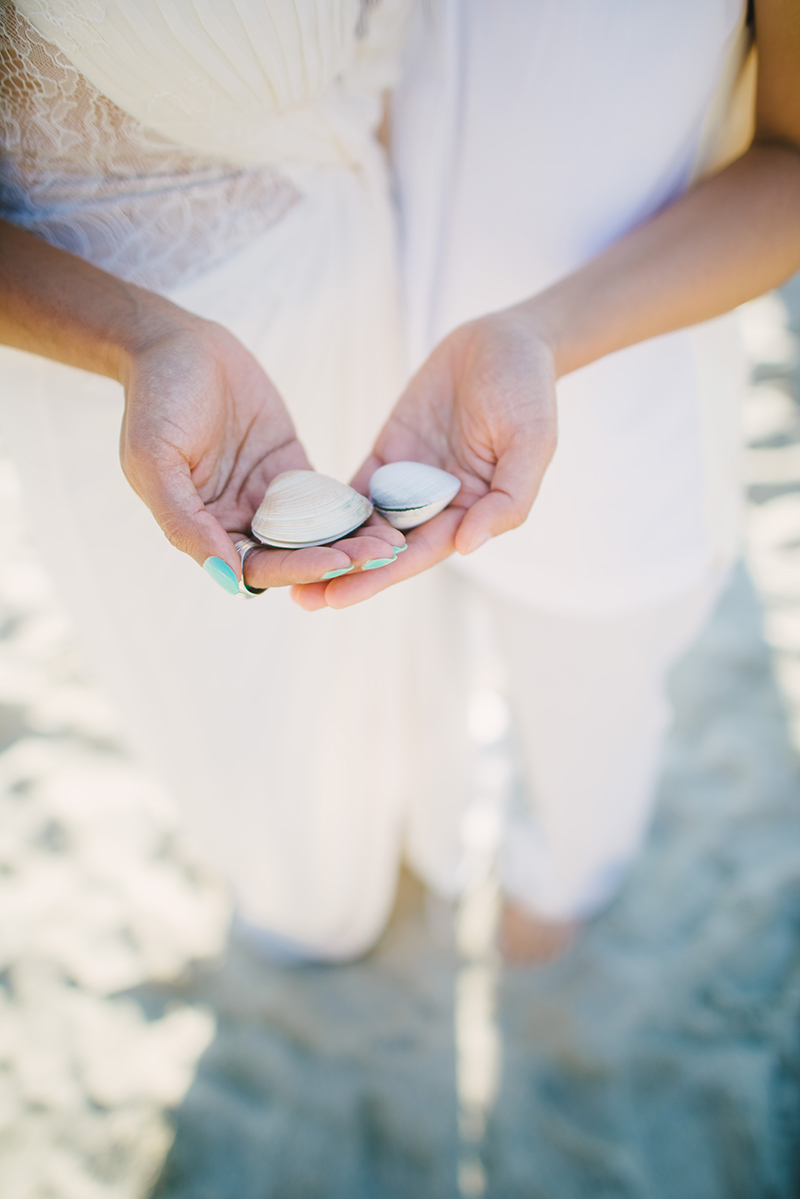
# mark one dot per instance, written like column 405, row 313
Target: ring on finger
column 243, row 547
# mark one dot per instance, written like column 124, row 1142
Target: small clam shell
column 409, row 493
column 303, row 508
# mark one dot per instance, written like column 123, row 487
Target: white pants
column 591, row 708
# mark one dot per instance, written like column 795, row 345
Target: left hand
column 204, row 432
column 482, row 407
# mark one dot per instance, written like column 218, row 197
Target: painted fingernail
column 221, row 573
column 374, row 563
column 398, row 549
column 478, row 542
column 334, row 574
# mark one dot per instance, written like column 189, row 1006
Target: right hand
column 483, row 408
column 204, row 432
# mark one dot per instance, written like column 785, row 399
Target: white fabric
column 88, row 177
column 528, row 137
column 278, row 732
column 246, row 82
column 589, row 696
column 181, row 171
column 302, row 749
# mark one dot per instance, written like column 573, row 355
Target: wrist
column 150, row 320
column 547, row 317
column 56, row 304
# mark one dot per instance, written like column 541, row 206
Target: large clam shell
column 303, row 508
column 409, row 493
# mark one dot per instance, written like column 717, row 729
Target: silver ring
column 243, row 547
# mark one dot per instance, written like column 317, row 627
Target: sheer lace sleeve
column 84, row 175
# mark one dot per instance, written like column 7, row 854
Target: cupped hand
column 482, row 407
column 204, row 433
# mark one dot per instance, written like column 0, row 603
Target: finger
column 371, row 546
column 366, row 551
column 427, row 545
column 515, row 484
column 380, row 535
column 378, row 526
column 281, row 568
column 310, row 598
column 167, row 489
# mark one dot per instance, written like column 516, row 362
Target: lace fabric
column 86, row 176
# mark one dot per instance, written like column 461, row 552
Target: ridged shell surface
column 409, row 493
column 303, row 508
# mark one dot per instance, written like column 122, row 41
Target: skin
column 523, row 938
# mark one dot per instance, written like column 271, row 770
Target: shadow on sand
column 659, row 1059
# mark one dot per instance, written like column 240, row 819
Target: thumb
column 515, row 484
column 172, row 498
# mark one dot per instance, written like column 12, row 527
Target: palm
column 204, row 433
column 228, row 424
column 483, row 408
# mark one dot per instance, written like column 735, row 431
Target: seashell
column 409, row 493
column 302, row 508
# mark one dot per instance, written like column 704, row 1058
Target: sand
column 146, row 1052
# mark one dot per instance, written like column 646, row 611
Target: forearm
column 55, row 304
column 727, row 240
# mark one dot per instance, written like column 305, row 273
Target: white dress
column 224, row 154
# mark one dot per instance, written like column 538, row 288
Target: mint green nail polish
column 376, row 562
column 398, row 549
column 334, row 574
column 221, row 573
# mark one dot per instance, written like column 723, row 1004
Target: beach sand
column 146, row 1052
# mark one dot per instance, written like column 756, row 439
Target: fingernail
column 221, row 573
column 374, row 563
column 478, row 542
column 398, row 549
column 334, row 574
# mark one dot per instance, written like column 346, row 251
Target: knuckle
column 514, row 515
column 175, row 531
column 138, row 466
column 550, row 442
